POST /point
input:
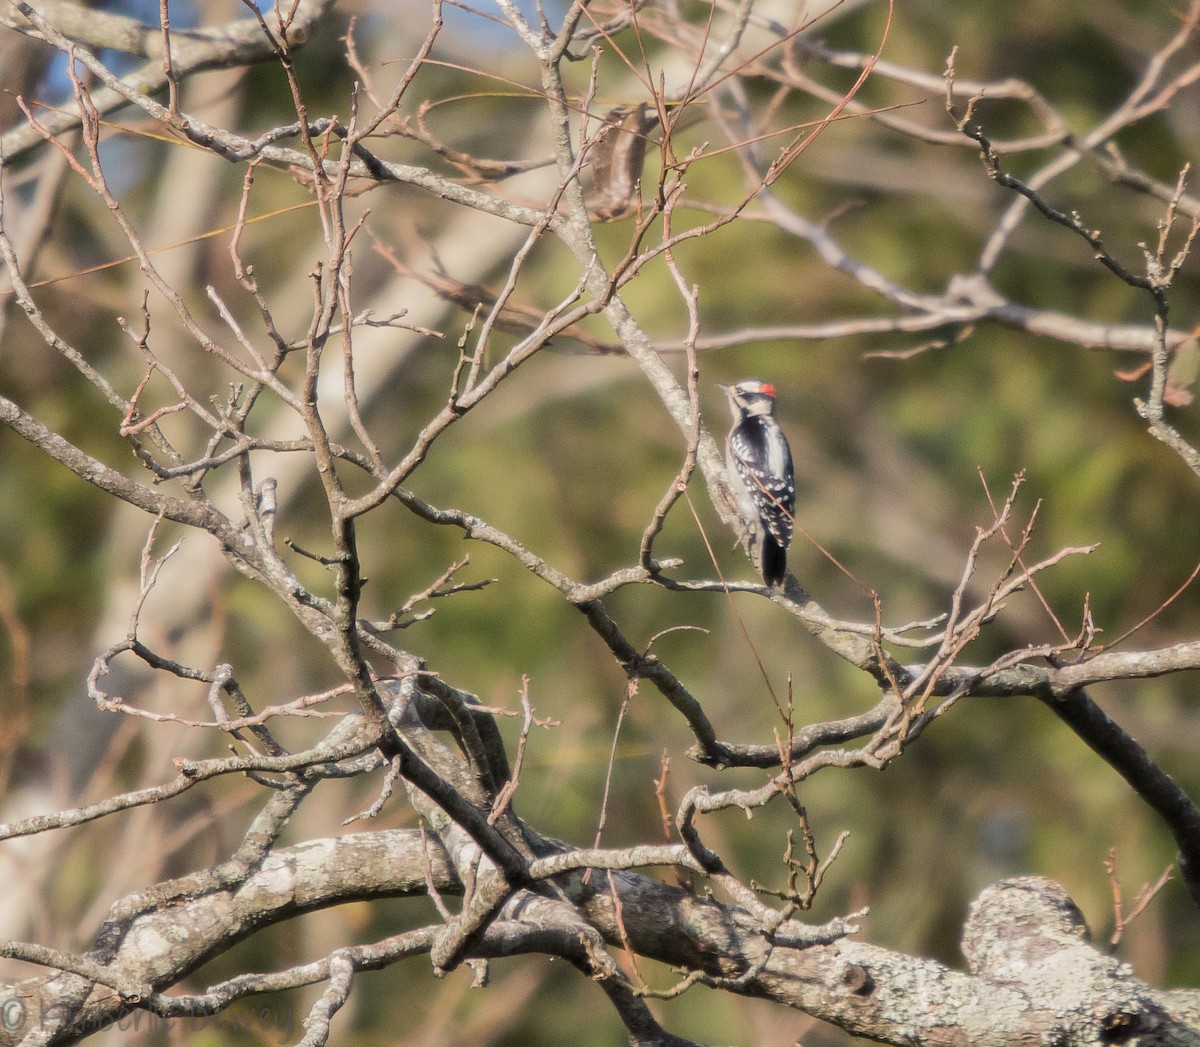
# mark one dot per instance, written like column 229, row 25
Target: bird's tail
column 774, row 560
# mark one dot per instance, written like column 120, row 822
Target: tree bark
column 1033, row 978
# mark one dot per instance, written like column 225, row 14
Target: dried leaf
column 618, row 154
column 1134, row 374
column 1182, row 372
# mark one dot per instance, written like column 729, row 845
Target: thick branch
column 198, row 514
column 865, row 989
column 1164, row 795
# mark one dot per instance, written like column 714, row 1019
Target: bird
column 761, row 473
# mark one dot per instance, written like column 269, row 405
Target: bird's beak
column 723, row 388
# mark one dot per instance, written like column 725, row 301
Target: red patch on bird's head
column 769, row 389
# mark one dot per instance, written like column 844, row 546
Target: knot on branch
column 1030, row 935
column 1016, row 923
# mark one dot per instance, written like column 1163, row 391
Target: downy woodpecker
column 760, row 472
